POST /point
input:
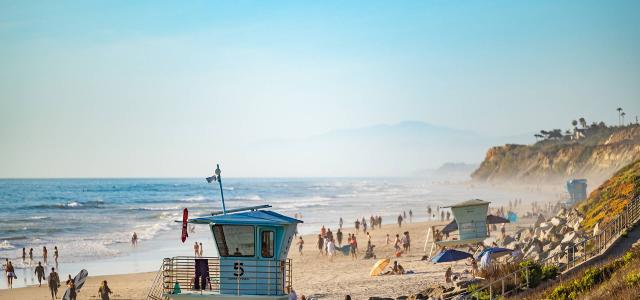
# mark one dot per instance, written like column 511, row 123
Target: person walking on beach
column 71, row 288
column 406, row 242
column 400, row 220
column 379, row 221
column 357, row 225
column 134, row 239
column 44, row 254
column 331, row 249
column 55, row 254
column 339, row 237
column 196, row 249
column 104, row 291
column 323, row 231
column 201, row 250
column 54, row 283
column 11, row 273
column 39, row 273
column 340, row 223
column 300, row 244
column 320, row 243
column 354, row 247
column 397, row 243
column 364, row 225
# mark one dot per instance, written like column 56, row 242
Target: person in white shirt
column 331, row 249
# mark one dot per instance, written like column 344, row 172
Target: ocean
column 92, row 220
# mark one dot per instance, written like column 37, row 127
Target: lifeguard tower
column 471, row 219
column 249, row 260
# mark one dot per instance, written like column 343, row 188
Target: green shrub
column 478, row 295
column 632, row 280
column 549, row 272
column 533, row 274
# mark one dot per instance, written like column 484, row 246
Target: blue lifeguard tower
column 249, row 260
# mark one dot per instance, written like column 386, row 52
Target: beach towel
column 202, row 272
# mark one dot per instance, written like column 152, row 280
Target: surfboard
column 185, row 217
column 78, row 282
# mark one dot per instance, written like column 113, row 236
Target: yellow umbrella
column 379, row 267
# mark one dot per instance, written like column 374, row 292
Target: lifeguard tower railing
column 254, row 277
column 443, row 234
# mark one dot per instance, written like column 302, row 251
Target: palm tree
column 583, row 122
column 619, row 109
column 622, row 115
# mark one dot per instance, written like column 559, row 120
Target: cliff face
column 608, row 200
column 595, row 157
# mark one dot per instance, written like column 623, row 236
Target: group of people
column 198, row 249
column 373, row 222
column 53, row 281
column 45, row 255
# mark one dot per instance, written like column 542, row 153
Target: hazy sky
column 135, row 88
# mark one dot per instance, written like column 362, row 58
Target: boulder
column 557, row 221
column 569, row 238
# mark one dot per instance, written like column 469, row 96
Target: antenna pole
column 224, row 210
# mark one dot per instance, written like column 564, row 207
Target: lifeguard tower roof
column 258, row 217
column 472, row 202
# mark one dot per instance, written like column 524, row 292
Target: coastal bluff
column 594, row 152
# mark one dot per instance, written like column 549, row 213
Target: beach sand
column 313, row 274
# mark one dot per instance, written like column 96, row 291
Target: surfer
column 104, row 291
column 40, row 273
column 71, row 289
column 54, row 283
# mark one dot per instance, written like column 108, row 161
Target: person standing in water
column 55, row 254
column 134, row 239
column 44, row 254
column 54, row 283
column 40, row 273
column 104, row 291
column 24, row 255
column 410, row 216
column 340, row 223
column 30, row 256
column 201, row 249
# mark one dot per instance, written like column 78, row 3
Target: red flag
column 185, row 217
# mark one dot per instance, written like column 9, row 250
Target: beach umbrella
column 379, row 267
column 491, row 219
column 450, row 255
column 494, row 252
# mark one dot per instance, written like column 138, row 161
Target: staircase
column 157, row 290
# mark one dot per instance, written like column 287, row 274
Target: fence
column 571, row 257
column 210, row 275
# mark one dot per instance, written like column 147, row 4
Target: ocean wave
column 70, row 205
column 146, row 232
column 156, row 208
column 249, row 198
column 5, row 245
column 193, row 199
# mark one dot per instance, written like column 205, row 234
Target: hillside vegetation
column 595, row 153
column 608, row 200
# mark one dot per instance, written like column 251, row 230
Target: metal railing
column 572, row 257
column 210, row 275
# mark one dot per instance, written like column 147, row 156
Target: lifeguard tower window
column 267, row 243
column 234, row 240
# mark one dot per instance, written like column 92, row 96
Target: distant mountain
column 380, row 150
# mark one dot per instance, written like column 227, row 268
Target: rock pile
column 548, row 237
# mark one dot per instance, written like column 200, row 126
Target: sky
column 167, row 89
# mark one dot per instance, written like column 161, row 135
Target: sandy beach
column 313, row 274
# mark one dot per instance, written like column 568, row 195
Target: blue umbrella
column 450, row 255
column 492, row 251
